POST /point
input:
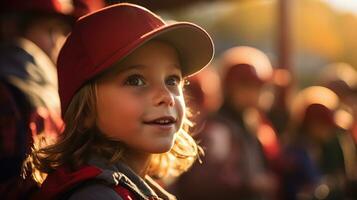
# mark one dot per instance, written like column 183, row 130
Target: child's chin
column 162, row 148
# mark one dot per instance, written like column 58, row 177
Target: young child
column 121, row 76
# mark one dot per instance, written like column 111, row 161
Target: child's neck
column 138, row 162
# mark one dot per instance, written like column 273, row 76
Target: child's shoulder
column 87, row 182
column 99, row 191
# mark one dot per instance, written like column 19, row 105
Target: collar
column 121, row 174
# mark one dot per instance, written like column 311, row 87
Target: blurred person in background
column 342, row 79
column 314, row 161
column 239, row 142
column 247, row 74
column 29, row 102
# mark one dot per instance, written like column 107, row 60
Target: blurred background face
column 320, row 131
column 142, row 104
column 244, row 95
column 243, row 84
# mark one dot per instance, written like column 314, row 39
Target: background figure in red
column 238, row 140
column 29, row 102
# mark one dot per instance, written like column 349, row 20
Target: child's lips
column 165, row 123
column 161, row 120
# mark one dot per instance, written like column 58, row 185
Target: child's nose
column 163, row 96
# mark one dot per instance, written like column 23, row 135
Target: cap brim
column 194, row 46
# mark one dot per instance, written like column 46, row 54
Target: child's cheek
column 180, row 109
column 133, row 105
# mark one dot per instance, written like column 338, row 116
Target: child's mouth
column 166, row 122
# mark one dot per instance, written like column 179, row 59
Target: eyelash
column 136, row 77
column 176, row 78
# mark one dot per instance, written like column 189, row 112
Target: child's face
column 142, row 105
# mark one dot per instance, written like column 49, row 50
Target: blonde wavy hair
column 81, row 139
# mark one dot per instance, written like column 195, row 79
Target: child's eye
column 135, row 80
column 173, row 80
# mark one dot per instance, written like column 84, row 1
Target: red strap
column 124, row 193
column 63, row 180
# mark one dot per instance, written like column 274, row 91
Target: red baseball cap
column 103, row 38
column 247, row 63
column 242, row 73
column 314, row 103
column 318, row 113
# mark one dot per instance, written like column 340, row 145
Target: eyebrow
column 139, row 66
column 130, row 67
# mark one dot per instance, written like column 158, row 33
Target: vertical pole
column 279, row 112
column 284, row 34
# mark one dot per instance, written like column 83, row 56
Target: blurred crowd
column 257, row 143
column 32, row 33
column 259, row 146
